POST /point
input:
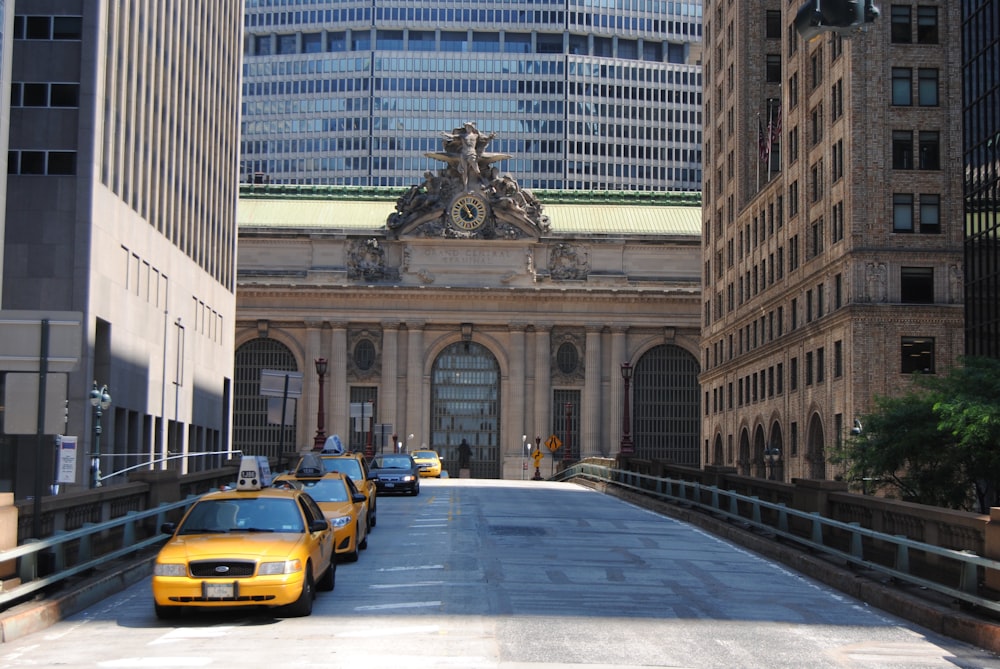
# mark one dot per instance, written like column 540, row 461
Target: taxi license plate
column 218, row 590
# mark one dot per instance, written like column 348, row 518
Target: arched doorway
column 465, row 404
column 758, row 464
column 815, row 451
column 666, row 422
column 718, row 457
column 776, row 444
column 256, row 419
column 743, row 461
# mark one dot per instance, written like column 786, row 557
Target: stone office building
column 469, row 308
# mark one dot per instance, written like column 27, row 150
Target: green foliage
column 938, row 444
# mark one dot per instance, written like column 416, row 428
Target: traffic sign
column 554, row 443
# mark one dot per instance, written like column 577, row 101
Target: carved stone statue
column 469, row 198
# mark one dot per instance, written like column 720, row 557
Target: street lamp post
column 569, row 414
column 524, row 465
column 771, row 455
column 320, row 440
column 100, row 400
column 626, row 447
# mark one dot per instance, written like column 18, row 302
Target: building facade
column 586, row 95
column 833, row 226
column 122, row 186
column 981, row 76
column 468, row 308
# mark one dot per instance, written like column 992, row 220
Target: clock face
column 468, row 211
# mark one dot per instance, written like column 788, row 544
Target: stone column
column 543, row 380
column 414, row 387
column 591, row 439
column 338, row 396
column 511, row 443
column 390, row 381
column 310, row 385
column 619, row 354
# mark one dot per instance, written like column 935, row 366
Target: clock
column 468, row 211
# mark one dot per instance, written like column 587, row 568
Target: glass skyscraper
column 581, row 95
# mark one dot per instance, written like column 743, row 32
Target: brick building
column 832, row 225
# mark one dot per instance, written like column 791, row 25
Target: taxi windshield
column 347, row 466
column 221, row 516
column 326, row 490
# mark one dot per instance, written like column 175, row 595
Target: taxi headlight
column 166, row 569
column 285, row 567
column 339, row 522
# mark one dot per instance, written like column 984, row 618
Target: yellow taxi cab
column 341, row 502
column 429, row 462
column 251, row 546
column 356, row 467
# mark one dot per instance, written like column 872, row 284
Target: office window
column 916, row 285
column 917, row 355
column 927, row 25
column 793, row 90
column 837, row 160
column 900, row 31
column 816, row 125
column 809, row 368
column 793, row 374
column 901, row 88
column 262, row 45
column 902, row 212
column 286, row 44
column 772, row 24
column 837, row 222
column 838, row 359
column 902, row 150
column 837, row 100
column 312, row 42
column 930, row 150
column 772, row 70
column 820, row 364
column 793, row 145
column 816, row 69
column 930, row 214
column 927, row 87
column 793, row 199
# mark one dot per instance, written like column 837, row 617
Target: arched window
column 256, row 419
column 465, row 404
column 665, row 396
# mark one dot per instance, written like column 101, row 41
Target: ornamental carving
column 366, row 259
column 469, row 198
column 567, row 262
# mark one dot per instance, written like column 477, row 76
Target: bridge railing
column 68, row 553
column 954, row 573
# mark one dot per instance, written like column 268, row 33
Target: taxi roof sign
column 255, row 473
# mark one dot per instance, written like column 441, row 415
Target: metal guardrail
column 727, row 504
column 83, row 539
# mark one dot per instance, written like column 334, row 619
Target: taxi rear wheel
column 303, row 606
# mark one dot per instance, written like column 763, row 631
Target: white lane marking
column 193, row 633
column 389, row 607
column 135, row 662
column 418, row 584
column 413, row 567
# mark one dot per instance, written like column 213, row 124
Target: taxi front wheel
column 303, row 606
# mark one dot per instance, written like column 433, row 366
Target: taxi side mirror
column 319, row 525
column 358, row 497
column 168, row 528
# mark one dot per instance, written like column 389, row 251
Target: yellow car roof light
column 255, row 473
column 309, row 466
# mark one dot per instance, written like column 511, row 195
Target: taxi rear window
column 347, row 466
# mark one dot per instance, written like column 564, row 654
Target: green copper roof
column 570, row 212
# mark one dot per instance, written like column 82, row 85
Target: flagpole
column 769, row 140
column 757, row 152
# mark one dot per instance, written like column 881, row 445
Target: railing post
column 856, row 549
column 755, row 511
column 59, row 552
column 715, row 497
column 86, row 545
column 128, row 530
column 969, row 580
column 783, row 518
column 734, row 505
column 27, row 569
column 817, row 528
column 902, row 555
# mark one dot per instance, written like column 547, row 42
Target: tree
column 938, row 444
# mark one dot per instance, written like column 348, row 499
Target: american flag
column 775, row 126
column 763, row 142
